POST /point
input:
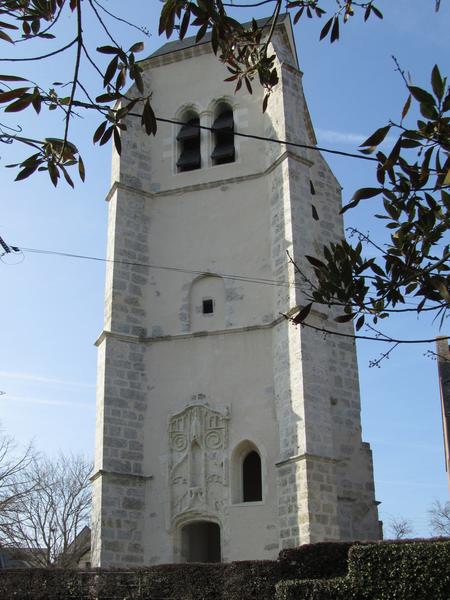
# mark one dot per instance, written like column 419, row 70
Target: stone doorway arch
column 200, row 542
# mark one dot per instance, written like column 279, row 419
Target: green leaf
column 11, row 78
column 360, row 322
column 344, row 318
column 361, row 194
column 315, row 262
column 421, row 95
column 108, row 50
column 437, row 82
column 53, row 173
column 108, row 97
column 20, row 104
column 326, row 28
column 137, row 47
column 5, row 36
column 107, row 135
column 27, row 172
column 67, row 177
column 8, row 25
column 11, row 94
column 81, row 169
column 117, row 141
column 335, row 31
column 375, row 10
column 110, row 71
column 185, row 23
column 99, row 131
column 442, row 289
column 406, row 107
column 148, row 119
column 377, row 137
column 301, row 316
column 377, row 270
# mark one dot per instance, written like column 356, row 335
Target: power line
column 252, row 136
column 243, row 278
column 262, row 138
column 256, row 280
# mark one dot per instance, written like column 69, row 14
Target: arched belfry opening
column 200, row 542
column 188, row 138
column 223, row 127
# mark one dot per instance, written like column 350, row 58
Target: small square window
column 208, row 306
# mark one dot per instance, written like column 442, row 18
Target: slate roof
column 189, row 42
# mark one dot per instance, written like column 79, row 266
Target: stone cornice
column 207, row 184
column 173, row 56
column 306, row 456
column 134, row 339
column 104, row 472
column 291, row 68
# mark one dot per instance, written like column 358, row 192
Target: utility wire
column 262, row 138
column 251, row 136
column 256, row 280
column 243, row 278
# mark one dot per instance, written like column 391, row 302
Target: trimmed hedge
column 46, row 584
column 315, row 561
column 406, row 570
column 191, row 581
column 251, row 580
column 418, row 570
column 317, row 589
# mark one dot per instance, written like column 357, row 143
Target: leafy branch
column 414, row 184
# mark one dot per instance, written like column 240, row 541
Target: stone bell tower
column 223, row 431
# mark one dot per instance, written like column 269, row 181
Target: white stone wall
column 168, row 375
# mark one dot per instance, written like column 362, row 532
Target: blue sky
column 52, row 307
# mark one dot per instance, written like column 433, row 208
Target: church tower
column 223, row 431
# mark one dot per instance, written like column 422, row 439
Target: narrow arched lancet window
column 251, row 477
column 223, row 127
column 189, row 155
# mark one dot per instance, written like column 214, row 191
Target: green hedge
column 193, row 581
column 46, row 584
column 402, row 571
column 409, row 570
column 315, row 561
column 418, row 570
column 317, row 589
column 251, row 580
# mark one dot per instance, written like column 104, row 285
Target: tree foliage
column 439, row 515
column 13, row 469
column 414, row 188
column 411, row 265
column 400, row 528
column 48, row 506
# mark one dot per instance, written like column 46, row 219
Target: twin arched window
column 189, row 140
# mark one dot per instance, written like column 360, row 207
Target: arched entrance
column 200, row 542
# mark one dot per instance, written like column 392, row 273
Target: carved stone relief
column 198, row 439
